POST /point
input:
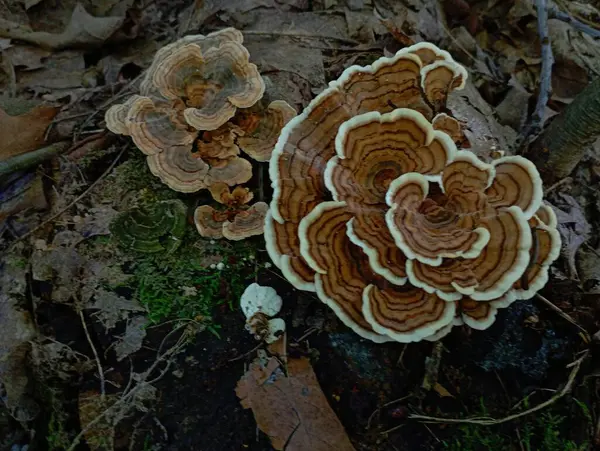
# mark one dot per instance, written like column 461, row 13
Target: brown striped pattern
column 451, row 127
column 204, row 42
column 378, row 152
column 438, row 84
column 477, row 311
column 209, row 221
column 246, row 223
column 218, row 144
column 511, row 186
column 227, row 80
column 153, row 130
column 405, row 310
column 344, row 283
column 179, row 169
column 237, row 170
column 371, row 229
column 261, row 131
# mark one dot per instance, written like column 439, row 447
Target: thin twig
column 534, row 124
column 555, row 13
column 556, row 185
column 586, row 336
column 142, row 383
column 387, row 404
column 245, row 354
column 98, row 364
column 395, row 428
column 491, row 421
column 81, row 196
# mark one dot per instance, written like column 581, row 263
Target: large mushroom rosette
column 201, row 102
column 399, row 232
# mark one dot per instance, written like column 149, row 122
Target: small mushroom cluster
column 201, row 103
column 258, row 304
column 399, row 232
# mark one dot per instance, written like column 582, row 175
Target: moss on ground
column 191, row 281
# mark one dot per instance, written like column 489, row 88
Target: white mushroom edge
column 258, row 299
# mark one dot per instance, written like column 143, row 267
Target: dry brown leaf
column 292, row 410
column 442, row 391
column 24, row 133
column 83, row 31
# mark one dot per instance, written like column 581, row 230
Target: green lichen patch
column 158, row 227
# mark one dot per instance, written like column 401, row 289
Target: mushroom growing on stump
column 191, row 117
column 399, row 232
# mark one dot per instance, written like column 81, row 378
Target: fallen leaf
column 62, row 70
column 26, row 57
column 131, row 342
column 24, row 133
column 292, row 410
column 442, row 391
column 112, row 308
column 83, row 31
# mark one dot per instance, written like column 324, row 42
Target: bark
column 562, row 145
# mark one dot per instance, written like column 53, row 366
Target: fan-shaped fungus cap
column 158, row 228
column 205, row 42
column 218, row 146
column 156, row 128
column 246, row 223
column 116, row 116
column 212, row 81
column 209, row 222
column 233, row 199
column 261, row 127
column 419, row 236
column 257, row 298
column 450, row 126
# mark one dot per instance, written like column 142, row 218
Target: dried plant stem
column 33, row 158
column 491, row 421
column 562, row 145
column 534, row 124
column 98, row 364
column 142, row 383
column 81, row 196
column 586, row 336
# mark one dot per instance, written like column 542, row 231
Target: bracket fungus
column 198, row 106
column 399, row 232
column 238, row 221
column 158, row 228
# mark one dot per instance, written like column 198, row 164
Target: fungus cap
column 261, row 127
column 257, row 298
column 419, row 236
column 246, row 223
column 214, row 81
